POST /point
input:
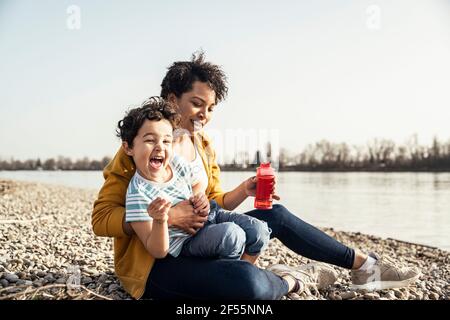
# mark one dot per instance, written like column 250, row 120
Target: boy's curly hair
column 154, row 108
column 182, row 74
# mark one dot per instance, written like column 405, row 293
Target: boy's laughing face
column 152, row 150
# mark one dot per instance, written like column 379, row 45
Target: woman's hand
column 183, row 217
column 250, row 187
column 201, row 204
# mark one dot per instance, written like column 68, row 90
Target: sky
column 298, row 71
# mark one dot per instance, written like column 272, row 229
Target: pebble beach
column 48, row 251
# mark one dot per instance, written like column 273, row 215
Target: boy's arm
column 154, row 234
column 108, row 215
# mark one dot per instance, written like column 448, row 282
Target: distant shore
column 46, row 235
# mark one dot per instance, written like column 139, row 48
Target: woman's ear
column 172, row 98
column 127, row 149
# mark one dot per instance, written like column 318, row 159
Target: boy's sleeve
column 136, row 206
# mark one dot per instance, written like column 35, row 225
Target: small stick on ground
column 52, row 286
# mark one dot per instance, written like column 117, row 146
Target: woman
column 195, row 87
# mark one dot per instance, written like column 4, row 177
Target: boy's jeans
column 227, row 235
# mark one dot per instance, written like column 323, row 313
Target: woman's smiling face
column 195, row 106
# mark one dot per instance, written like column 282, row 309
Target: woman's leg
column 303, row 238
column 196, row 278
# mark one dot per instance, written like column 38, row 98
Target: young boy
column 163, row 179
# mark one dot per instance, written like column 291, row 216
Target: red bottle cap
column 265, row 169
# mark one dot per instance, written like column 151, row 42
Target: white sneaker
column 314, row 275
column 385, row 274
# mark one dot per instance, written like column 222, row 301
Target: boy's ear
column 127, row 149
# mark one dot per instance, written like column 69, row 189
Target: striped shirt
column 141, row 192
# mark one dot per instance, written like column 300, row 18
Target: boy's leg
column 224, row 240
column 257, row 232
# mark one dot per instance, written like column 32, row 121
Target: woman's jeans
column 198, row 278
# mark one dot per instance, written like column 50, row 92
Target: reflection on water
column 413, row 207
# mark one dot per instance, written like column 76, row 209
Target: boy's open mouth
column 156, row 162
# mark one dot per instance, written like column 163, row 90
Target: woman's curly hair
column 182, row 74
column 154, row 108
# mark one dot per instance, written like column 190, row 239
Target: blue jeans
column 195, row 278
column 227, row 235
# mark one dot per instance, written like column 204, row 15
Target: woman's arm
column 246, row 189
column 183, row 217
column 108, row 215
column 235, row 197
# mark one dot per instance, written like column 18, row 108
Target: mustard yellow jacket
column 132, row 262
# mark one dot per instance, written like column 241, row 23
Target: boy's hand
column 250, row 187
column 201, row 204
column 159, row 210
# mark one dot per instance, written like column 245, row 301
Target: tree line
column 376, row 155
column 60, row 163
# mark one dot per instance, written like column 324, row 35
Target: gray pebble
column 348, row 295
column 49, row 278
column 41, row 274
column 371, row 296
column 20, row 282
column 113, row 287
column 390, row 295
column 86, row 280
column 433, row 296
column 398, row 294
column 11, row 277
column 60, row 281
column 38, row 283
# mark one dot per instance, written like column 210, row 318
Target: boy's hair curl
column 154, row 108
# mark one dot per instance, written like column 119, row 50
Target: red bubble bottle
column 265, row 177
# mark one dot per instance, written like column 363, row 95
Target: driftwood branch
column 22, row 294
